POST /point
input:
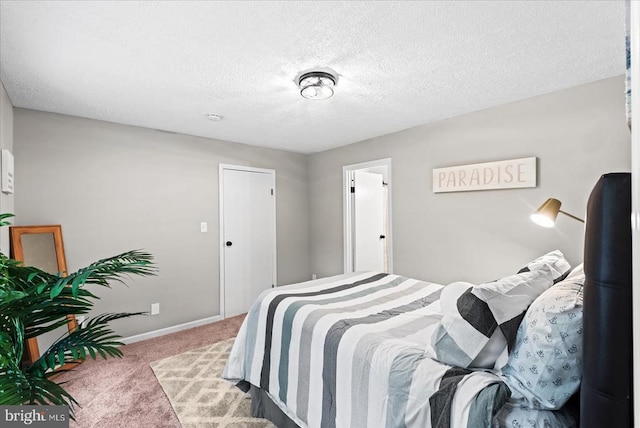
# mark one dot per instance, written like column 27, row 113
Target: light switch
column 203, row 227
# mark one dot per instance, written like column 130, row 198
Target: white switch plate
column 203, row 227
column 7, row 171
column 155, row 308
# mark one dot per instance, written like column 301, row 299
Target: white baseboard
column 169, row 330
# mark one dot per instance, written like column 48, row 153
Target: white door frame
column 347, row 174
column 635, row 196
column 222, row 167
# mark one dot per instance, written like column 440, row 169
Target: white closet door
column 248, row 237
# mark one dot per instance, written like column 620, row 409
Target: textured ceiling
column 167, row 64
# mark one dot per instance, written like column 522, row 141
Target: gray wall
column 114, row 188
column 6, row 142
column 577, row 135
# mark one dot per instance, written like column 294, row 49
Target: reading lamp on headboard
column 546, row 214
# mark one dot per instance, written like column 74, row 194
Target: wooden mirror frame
column 31, row 349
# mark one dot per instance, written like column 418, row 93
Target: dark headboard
column 606, row 392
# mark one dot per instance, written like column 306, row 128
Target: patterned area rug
column 199, row 396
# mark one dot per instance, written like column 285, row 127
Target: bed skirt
column 263, row 407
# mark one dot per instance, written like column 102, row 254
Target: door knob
column 228, row 243
column 382, row 236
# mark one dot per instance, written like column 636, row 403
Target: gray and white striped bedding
column 349, row 351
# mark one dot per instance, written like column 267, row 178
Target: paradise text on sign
column 507, row 174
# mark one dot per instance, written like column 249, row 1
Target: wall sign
column 7, row 171
column 507, row 174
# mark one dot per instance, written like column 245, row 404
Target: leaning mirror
column 41, row 247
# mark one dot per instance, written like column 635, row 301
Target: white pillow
column 479, row 322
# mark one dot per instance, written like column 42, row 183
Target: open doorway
column 367, row 217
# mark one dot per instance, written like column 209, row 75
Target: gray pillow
column 545, row 367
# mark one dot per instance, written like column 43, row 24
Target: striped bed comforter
column 348, row 351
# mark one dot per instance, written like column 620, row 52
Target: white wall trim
column 169, row 330
column 635, row 197
column 347, row 218
column 221, row 169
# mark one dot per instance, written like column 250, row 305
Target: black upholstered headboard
column 606, row 392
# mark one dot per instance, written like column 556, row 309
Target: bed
column 370, row 349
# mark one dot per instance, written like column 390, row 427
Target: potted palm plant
column 33, row 302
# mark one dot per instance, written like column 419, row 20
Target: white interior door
column 248, row 237
column 369, row 230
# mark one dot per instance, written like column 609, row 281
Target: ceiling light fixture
column 214, row 117
column 317, row 85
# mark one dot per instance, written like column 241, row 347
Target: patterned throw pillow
column 545, row 367
column 479, row 322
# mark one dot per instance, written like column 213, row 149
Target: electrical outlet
column 155, row 308
column 314, row 276
column 203, row 227
column 80, row 320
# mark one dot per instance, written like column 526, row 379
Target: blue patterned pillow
column 513, row 415
column 545, row 367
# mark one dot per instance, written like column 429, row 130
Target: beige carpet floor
column 124, row 392
column 199, row 396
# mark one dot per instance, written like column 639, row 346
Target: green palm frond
column 14, row 388
column 19, row 387
column 94, row 339
column 6, row 280
column 11, row 345
column 7, row 295
column 24, row 278
column 116, row 268
column 4, row 217
column 39, row 313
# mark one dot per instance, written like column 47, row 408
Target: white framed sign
column 7, row 171
column 506, row 174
